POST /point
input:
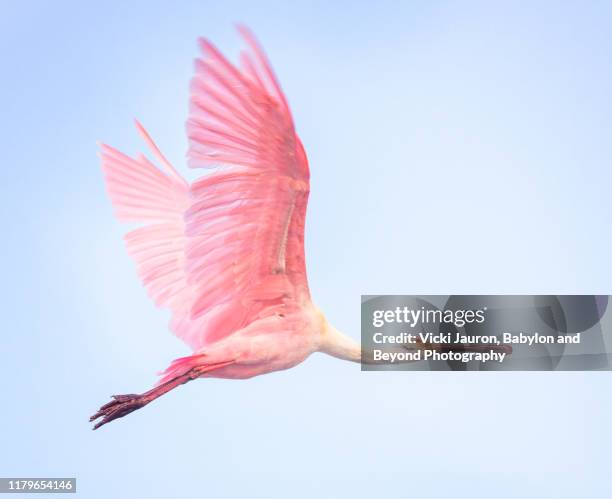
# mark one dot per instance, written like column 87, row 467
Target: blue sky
column 455, row 147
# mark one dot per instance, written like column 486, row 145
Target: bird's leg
column 122, row 405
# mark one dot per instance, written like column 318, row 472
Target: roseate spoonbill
column 226, row 253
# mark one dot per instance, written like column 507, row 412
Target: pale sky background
column 455, row 147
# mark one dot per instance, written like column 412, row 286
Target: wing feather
column 140, row 192
column 240, row 120
column 229, row 248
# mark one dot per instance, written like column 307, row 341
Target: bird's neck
column 339, row 345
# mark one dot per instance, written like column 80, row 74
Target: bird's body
column 273, row 343
column 226, row 253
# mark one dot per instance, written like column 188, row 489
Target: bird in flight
column 225, row 254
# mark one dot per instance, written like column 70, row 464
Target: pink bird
column 226, row 253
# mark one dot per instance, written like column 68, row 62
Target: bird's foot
column 120, row 406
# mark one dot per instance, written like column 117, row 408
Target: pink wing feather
column 230, row 248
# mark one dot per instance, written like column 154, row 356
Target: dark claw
column 117, row 408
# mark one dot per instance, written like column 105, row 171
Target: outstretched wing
column 140, row 192
column 230, row 248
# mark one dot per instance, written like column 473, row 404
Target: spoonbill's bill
column 226, row 253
